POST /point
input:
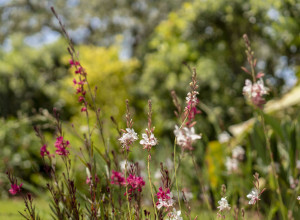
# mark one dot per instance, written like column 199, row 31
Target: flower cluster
column 165, row 198
column 61, row 146
column 255, row 92
column 80, row 90
column 185, row 137
column 15, row 188
column 174, row 215
column 253, row 196
column 223, row 204
column 44, row 151
column 128, row 137
column 117, row 178
column 191, row 110
column 148, row 140
column 256, row 192
column 134, row 183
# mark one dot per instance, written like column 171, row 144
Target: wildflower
column 253, row 196
column 185, row 137
column 80, row 99
column 191, row 98
column 15, row 188
column 223, row 204
column 191, row 108
column 44, row 151
column 298, row 198
column 83, row 109
column 129, row 136
column 61, row 146
column 134, row 183
column 165, row 198
column 174, row 215
column 117, row 178
column 238, row 153
column 255, row 92
column 223, row 137
column 232, row 164
column 148, row 140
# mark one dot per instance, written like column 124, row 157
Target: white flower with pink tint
column 255, row 91
column 185, row 137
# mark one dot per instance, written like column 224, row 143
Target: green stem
column 150, row 182
column 128, row 204
column 278, row 190
column 201, row 184
column 175, row 171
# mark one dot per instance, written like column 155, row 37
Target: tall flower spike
column 191, row 110
column 149, row 139
column 129, row 136
column 253, row 90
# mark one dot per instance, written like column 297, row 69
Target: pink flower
column 134, row 183
column 117, row 178
column 61, row 146
column 80, row 99
column 44, row 151
column 15, row 188
column 83, row 109
column 191, row 110
column 255, row 92
column 165, row 198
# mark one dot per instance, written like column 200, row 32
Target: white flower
column 191, row 98
column 185, row 136
column 165, row 202
column 123, row 163
column 238, row 153
column 253, row 196
column 147, row 141
column 223, row 137
column 174, row 215
column 298, row 198
column 255, row 91
column 223, row 204
column 128, row 137
column 231, row 164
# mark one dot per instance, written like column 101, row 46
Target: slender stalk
column 200, row 182
column 175, row 171
column 128, row 204
column 278, row 190
column 150, row 183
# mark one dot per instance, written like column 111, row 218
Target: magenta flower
column 83, row 109
column 44, row 151
column 135, row 182
column 165, row 198
column 117, row 178
column 61, row 146
column 15, row 188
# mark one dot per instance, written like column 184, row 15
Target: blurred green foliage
column 204, row 34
